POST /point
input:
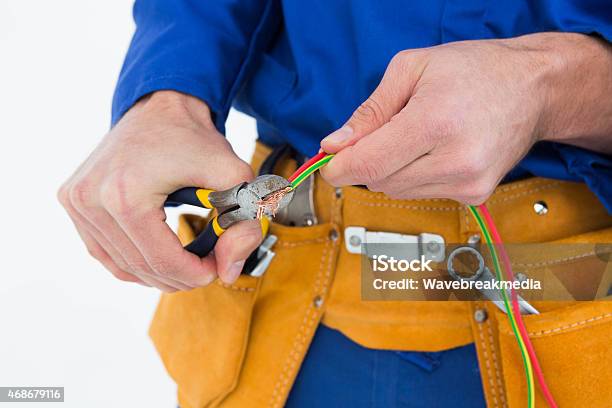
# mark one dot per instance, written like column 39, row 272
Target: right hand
column 115, row 198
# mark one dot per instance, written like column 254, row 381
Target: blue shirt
column 302, row 67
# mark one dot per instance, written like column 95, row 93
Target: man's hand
column 115, row 198
column 451, row 121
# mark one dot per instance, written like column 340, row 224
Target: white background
column 64, row 321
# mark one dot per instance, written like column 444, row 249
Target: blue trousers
column 340, row 373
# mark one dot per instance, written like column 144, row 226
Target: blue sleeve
column 594, row 169
column 591, row 17
column 201, row 48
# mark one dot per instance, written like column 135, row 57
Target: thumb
column 216, row 166
column 388, row 99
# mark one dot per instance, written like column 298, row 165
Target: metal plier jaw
column 233, row 205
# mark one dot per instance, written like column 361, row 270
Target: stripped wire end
column 270, row 203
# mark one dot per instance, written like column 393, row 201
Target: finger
column 423, row 191
column 235, row 170
column 117, row 266
column 70, row 200
column 454, row 192
column 158, row 283
column 465, row 193
column 389, row 97
column 425, row 170
column 97, row 251
column 121, row 247
column 382, row 152
column 161, row 248
column 234, row 247
column 439, row 176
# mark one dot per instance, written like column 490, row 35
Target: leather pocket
column 572, row 342
column 573, row 346
column 214, row 338
column 201, row 335
column 290, row 302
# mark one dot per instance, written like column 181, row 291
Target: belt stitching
column 409, row 207
column 432, row 208
column 488, row 365
column 567, row 327
column 292, row 244
column 555, row 261
column 233, row 287
column 500, row 387
column 501, row 188
column 524, row 193
column 300, row 339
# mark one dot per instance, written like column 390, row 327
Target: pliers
column 238, row 203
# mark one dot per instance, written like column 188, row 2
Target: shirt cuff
column 126, row 97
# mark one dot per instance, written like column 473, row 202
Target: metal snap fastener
column 473, row 239
column 521, row 277
column 480, row 315
column 540, row 207
column 338, row 192
column 354, row 240
column 333, row 234
column 317, row 301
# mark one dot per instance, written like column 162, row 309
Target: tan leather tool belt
column 242, row 344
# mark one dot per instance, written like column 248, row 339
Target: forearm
column 578, row 92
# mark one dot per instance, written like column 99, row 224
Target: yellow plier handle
column 228, row 213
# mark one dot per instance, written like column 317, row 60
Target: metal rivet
column 480, row 315
column 433, row 247
column 333, row 235
column 308, row 220
column 338, row 192
column 521, row 277
column 354, row 240
column 317, row 301
column 540, row 207
column 473, row 239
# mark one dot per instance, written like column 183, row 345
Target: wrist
column 177, row 106
column 573, row 87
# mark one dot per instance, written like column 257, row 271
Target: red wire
column 515, row 306
column 306, row 165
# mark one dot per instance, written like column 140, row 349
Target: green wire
column 306, row 173
column 509, row 311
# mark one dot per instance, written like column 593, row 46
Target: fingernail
column 339, row 135
column 210, row 278
column 233, row 272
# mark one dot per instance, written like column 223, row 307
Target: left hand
column 445, row 122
